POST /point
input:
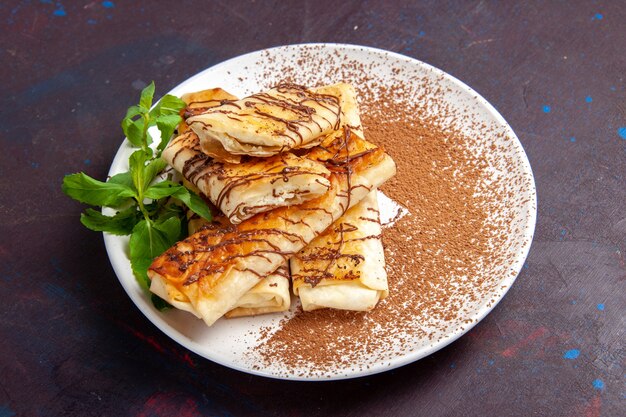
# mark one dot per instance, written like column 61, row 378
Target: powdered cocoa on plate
column 440, row 257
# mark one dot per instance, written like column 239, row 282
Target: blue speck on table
column 622, row 132
column 5, row 411
column 571, row 354
column 108, row 4
column 546, row 109
column 598, row 384
column 600, row 307
column 588, row 99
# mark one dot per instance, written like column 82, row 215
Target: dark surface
column 73, row 344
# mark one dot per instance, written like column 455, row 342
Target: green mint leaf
column 168, row 105
column 149, row 137
column 133, row 126
column 120, row 224
column 142, row 174
column 133, row 129
column 163, row 189
column 137, row 165
column 134, row 111
column 153, row 169
column 123, row 178
column 147, row 95
column 191, row 199
column 149, row 240
column 171, row 210
column 171, row 104
column 194, row 202
column 170, row 228
column 167, row 123
column 159, row 303
column 88, row 190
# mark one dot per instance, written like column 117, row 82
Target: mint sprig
column 165, row 116
column 146, row 209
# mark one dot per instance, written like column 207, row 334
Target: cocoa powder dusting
column 445, row 259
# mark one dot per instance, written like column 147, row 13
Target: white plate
column 231, row 342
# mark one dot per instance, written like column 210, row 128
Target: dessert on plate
column 294, row 184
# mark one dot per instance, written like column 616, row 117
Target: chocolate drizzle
column 224, row 245
column 204, row 172
column 262, row 244
column 339, row 262
column 336, row 148
column 291, row 105
column 335, row 251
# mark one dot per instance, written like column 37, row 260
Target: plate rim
column 406, row 358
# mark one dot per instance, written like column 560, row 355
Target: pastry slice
column 270, row 295
column 349, row 115
column 286, row 117
column 215, row 268
column 335, row 148
column 344, row 267
column 197, row 103
column 253, row 186
column 200, row 101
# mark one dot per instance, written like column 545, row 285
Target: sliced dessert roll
column 344, row 267
column 350, row 114
column 336, row 148
column 270, row 295
column 286, row 117
column 197, row 103
column 200, row 101
column 257, row 185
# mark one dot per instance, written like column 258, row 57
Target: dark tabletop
column 73, row 344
